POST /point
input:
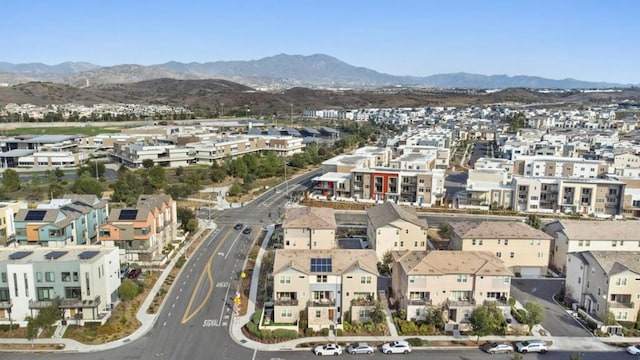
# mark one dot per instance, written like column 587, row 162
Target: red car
column 134, row 273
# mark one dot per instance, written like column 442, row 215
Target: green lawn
column 65, row 130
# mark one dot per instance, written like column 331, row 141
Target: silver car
column 495, row 348
column 360, row 348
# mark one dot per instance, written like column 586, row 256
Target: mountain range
column 279, row 71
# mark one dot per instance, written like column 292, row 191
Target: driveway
column 556, row 320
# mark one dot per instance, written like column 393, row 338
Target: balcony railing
column 5, row 304
column 321, row 303
column 500, row 301
column 363, row 302
column 286, row 302
column 464, row 302
column 420, row 302
column 618, row 305
column 65, row 303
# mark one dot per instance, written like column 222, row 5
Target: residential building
column 309, row 228
column 455, row 281
column 603, row 282
column 82, row 281
column 141, row 233
column 333, row 184
column 7, row 225
column 134, row 154
column 571, row 236
column 391, row 227
column 331, row 285
column 524, row 250
column 419, row 187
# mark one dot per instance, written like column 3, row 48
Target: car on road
column 134, row 273
column 329, row 349
column 634, row 349
column 528, row 346
column 238, row 226
column 396, row 347
column 360, row 348
column 246, row 230
column 495, row 348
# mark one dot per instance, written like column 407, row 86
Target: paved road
column 556, row 320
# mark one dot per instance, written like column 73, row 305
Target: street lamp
column 222, row 111
column 291, row 114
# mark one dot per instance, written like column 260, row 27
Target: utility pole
column 291, row 114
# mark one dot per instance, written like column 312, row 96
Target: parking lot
column 556, row 320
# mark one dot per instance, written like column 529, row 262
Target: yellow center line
column 187, row 315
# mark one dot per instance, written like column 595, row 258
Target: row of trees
column 489, row 319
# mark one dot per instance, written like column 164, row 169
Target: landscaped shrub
column 302, row 324
column 407, row 327
column 7, row 327
column 414, row 341
column 308, row 332
column 284, row 334
column 252, row 328
column 180, row 262
column 519, row 315
column 92, row 324
column 338, row 332
column 325, row 332
column 255, row 318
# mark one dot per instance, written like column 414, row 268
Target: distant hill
column 279, row 71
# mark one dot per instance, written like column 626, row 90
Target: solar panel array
column 54, row 255
column 19, row 255
column 87, row 254
column 128, row 214
column 35, row 215
column 321, row 265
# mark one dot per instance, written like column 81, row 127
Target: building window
column 285, row 279
column 401, row 243
column 3, row 277
column 45, row 294
column 506, row 241
column 88, row 287
column 15, row 284
column 461, row 278
column 318, row 314
column 473, row 241
column 621, row 282
column 26, row 284
column 512, row 255
column 363, row 313
column 38, row 277
column 580, row 243
column 480, row 242
column 321, row 278
column 49, row 276
column 365, row 279
column 75, row 276
column 499, row 254
column 588, row 243
column 66, row 277
column 286, row 313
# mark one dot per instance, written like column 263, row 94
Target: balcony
column 462, row 302
column 5, row 304
column 420, row 302
column 363, row 302
column 286, row 302
column 65, row 303
column 620, row 305
column 498, row 301
column 322, row 303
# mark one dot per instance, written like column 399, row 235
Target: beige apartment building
column 8, row 210
column 571, row 236
column 309, row 228
column 391, row 227
column 455, row 281
column 331, row 285
column 524, row 250
column 605, row 281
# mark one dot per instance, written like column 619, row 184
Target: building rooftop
column 315, row 261
column 388, row 212
column 511, row 230
column 451, row 262
column 310, row 218
column 613, row 262
column 596, row 230
column 32, row 254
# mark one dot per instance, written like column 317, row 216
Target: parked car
column 134, row 273
column 528, row 346
column 396, row 347
column 329, row 349
column 246, row 230
column 238, row 226
column 124, row 271
column 360, row 348
column 495, row 348
column 634, row 349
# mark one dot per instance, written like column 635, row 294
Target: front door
column 453, row 315
column 331, row 314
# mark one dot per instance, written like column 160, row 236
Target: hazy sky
column 586, row 40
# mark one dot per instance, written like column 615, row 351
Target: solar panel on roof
column 128, row 214
column 87, row 254
column 19, row 255
column 54, row 255
column 321, row 265
column 35, row 215
column 69, row 208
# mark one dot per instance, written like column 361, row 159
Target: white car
column 528, row 346
column 329, row 349
column 396, row 347
column 634, row 349
column 360, row 348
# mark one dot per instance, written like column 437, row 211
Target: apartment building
column 391, row 227
column 455, row 281
column 82, row 281
column 487, row 187
column 309, row 228
column 631, row 200
column 7, row 224
column 603, row 282
column 53, row 159
column 142, row 232
column 72, row 220
column 329, row 284
column 420, row 187
column 571, row 236
column 601, row 197
column 134, row 154
column 561, row 167
column 333, row 184
column 523, row 249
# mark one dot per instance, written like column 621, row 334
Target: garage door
column 530, row 272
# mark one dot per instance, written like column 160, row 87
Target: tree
column 11, row 180
column 184, row 214
column 445, row 230
column 179, row 171
column 535, row 314
column 128, row 290
column 48, row 316
column 384, row 267
column 485, row 320
column 32, row 329
column 376, row 314
column 533, row 220
column 147, row 163
column 156, row 177
column 192, row 225
column 235, row 190
column 87, row 185
column 610, row 318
